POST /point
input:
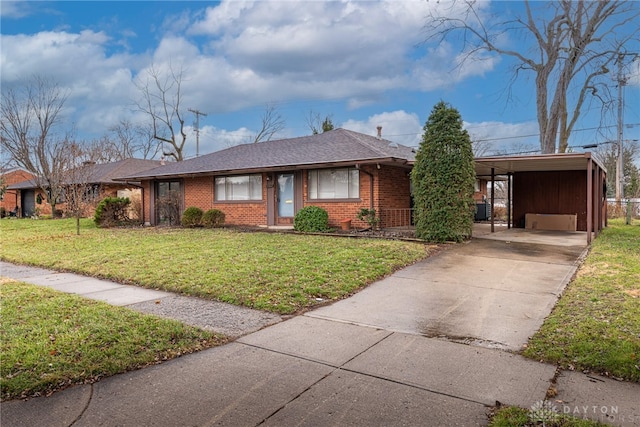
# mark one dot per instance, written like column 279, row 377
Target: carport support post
column 493, row 192
column 509, row 200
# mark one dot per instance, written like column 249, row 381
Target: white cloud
column 237, row 55
column 16, row 9
column 397, row 126
column 215, row 139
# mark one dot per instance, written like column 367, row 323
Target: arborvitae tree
column 443, row 178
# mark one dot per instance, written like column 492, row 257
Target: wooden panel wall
column 563, row 192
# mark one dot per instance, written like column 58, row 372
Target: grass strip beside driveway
column 596, row 324
column 511, row 416
column 50, row 340
column 281, row 273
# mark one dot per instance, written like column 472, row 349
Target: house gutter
column 370, row 185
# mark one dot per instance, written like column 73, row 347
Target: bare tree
column 317, row 124
column 131, row 140
column 272, row 123
column 79, row 191
column 30, row 116
column 608, row 154
column 572, row 45
column 161, row 100
column 481, row 147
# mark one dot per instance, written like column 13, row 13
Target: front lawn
column 596, row 324
column 282, row 273
column 50, row 340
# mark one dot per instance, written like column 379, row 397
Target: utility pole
column 620, row 162
column 198, row 113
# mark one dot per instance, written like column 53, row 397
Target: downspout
column 142, row 200
column 370, row 185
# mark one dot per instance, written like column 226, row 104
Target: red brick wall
column 245, row 213
column 198, row 192
column 11, row 198
column 343, row 209
column 478, row 195
column 391, row 190
column 394, row 192
column 391, row 187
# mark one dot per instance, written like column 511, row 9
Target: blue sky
column 363, row 63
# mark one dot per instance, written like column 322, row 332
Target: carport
column 550, row 186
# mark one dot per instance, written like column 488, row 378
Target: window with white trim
column 238, row 188
column 334, row 184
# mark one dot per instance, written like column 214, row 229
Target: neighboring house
column 267, row 183
column 31, row 198
column 9, row 200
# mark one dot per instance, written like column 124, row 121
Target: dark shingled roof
column 339, row 146
column 105, row 173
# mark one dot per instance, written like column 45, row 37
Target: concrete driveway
column 493, row 291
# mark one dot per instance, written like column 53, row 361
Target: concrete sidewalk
column 324, row 369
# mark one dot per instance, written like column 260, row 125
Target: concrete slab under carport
column 524, row 235
column 485, row 292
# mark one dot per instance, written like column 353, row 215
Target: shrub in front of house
column 213, row 218
column 112, row 212
column 191, row 217
column 311, row 219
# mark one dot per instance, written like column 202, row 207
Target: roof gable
column 103, row 173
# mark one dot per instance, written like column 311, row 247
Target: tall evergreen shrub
column 443, row 178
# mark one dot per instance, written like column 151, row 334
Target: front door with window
column 285, row 198
column 168, row 202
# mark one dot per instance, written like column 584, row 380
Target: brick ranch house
column 9, row 200
column 266, row 184
column 103, row 182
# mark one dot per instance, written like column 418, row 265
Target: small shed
column 551, row 191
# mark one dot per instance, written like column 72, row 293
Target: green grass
column 510, row 416
column 50, row 340
column 596, row 324
column 282, row 273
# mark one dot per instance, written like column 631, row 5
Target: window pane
column 244, row 187
column 220, row 189
column 326, row 186
column 334, row 184
column 313, row 184
column 341, row 183
column 255, row 184
column 354, row 184
column 238, row 188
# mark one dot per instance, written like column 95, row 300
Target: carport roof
column 503, row 165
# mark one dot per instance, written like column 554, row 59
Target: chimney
column 379, row 132
column 162, row 162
